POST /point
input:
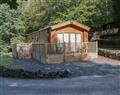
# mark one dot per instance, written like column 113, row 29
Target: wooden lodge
column 61, row 43
column 64, row 42
column 67, row 32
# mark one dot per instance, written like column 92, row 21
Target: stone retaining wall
column 109, row 54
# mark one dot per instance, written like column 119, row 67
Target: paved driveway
column 102, row 60
column 108, row 85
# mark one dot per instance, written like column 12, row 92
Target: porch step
column 73, row 57
column 60, row 58
column 56, row 58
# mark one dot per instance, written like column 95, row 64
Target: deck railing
column 41, row 52
column 53, row 48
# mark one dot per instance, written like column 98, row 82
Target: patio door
column 66, row 41
column 73, row 41
column 60, row 40
column 78, row 41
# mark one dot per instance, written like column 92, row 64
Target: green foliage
column 18, row 39
column 6, row 60
column 1, row 41
column 11, row 26
column 41, row 13
column 12, row 3
column 116, row 12
column 3, row 46
column 11, row 23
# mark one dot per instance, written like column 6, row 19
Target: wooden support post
column 64, row 53
column 46, row 53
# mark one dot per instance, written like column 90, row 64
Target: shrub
column 18, row 39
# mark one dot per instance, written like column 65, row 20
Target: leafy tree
column 116, row 11
column 11, row 23
column 39, row 13
column 1, row 43
column 18, row 39
column 13, row 3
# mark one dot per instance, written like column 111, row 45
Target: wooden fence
column 39, row 52
column 53, row 53
column 21, row 51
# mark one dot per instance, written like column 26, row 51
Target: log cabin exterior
column 61, row 43
column 67, row 32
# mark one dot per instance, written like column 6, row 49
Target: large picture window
column 72, row 41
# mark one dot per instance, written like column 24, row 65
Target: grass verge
column 6, row 60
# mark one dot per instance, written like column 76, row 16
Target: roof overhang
column 57, row 26
column 70, row 23
column 46, row 28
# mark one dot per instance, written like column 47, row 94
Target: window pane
column 66, row 37
column 78, row 41
column 60, row 40
column 78, row 38
column 72, row 38
column 66, row 41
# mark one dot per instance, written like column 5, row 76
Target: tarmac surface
column 94, row 85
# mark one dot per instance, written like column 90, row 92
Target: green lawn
column 6, row 60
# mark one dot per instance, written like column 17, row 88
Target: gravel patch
column 33, row 69
column 74, row 69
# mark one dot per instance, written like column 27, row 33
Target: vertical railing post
column 46, row 53
column 64, row 52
